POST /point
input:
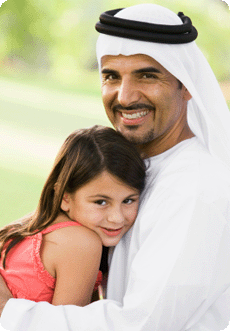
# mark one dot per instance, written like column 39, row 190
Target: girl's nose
column 116, row 216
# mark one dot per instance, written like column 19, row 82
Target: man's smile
column 135, row 115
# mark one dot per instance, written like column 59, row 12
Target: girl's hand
column 5, row 294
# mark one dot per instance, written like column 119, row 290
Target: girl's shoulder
column 65, row 232
column 62, row 244
column 73, row 235
column 60, row 223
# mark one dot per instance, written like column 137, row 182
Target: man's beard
column 138, row 140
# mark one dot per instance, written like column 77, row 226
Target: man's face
column 141, row 98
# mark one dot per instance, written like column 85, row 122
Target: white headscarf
column 208, row 113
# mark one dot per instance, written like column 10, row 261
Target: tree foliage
column 55, row 39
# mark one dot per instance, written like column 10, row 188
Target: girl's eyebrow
column 133, row 195
column 99, row 196
column 147, row 69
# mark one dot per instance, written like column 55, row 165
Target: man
column 171, row 271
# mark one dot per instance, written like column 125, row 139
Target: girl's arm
column 74, row 254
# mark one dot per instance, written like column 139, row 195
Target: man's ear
column 65, row 203
column 187, row 95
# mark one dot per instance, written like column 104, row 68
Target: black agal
column 160, row 33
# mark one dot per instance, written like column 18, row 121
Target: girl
column 90, row 199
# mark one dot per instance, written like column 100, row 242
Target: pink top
column 25, row 274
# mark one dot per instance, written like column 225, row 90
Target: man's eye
column 100, row 202
column 111, row 77
column 148, row 76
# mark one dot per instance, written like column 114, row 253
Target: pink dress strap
column 60, row 226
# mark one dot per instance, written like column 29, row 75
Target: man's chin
column 135, row 138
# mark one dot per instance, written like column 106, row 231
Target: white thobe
column 171, row 272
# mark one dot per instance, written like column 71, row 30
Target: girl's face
column 106, row 205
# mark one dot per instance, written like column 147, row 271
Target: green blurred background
column 49, row 85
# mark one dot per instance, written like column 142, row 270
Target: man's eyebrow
column 109, row 71
column 147, row 69
column 137, row 71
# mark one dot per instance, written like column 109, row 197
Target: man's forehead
column 135, row 59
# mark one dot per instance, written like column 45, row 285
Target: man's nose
column 128, row 93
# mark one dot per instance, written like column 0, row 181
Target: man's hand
column 5, row 294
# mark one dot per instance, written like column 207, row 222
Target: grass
column 85, row 83
column 19, row 194
column 34, row 123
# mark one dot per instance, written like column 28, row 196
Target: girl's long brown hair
column 83, row 156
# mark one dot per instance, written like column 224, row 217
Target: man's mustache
column 133, row 107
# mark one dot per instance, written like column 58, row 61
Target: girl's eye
column 100, row 202
column 128, row 201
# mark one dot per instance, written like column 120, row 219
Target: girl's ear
column 65, row 204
